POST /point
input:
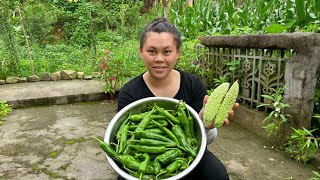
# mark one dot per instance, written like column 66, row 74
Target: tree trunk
column 27, row 42
column 147, row 5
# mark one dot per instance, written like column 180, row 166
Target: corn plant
column 257, row 16
column 192, row 19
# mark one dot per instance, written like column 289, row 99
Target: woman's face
column 159, row 54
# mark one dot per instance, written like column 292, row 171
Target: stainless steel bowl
column 141, row 106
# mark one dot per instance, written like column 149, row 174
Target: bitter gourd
column 219, row 103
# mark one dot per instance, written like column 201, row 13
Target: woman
column 160, row 49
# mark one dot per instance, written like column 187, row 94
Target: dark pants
column 209, row 168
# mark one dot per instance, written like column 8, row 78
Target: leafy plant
column 243, row 17
column 10, row 52
column 114, row 71
column 233, row 68
column 192, row 20
column 5, row 109
column 302, row 145
column 189, row 58
column 109, row 75
column 220, row 80
column 277, row 116
column 317, row 175
column 39, row 18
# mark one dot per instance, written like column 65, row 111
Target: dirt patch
column 248, row 156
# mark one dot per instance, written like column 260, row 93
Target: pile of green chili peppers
column 155, row 144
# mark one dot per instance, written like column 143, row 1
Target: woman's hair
column 161, row 25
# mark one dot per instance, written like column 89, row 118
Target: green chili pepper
column 191, row 125
column 190, row 159
column 183, row 162
column 130, row 162
column 127, row 149
column 134, row 164
column 157, row 166
column 193, row 141
column 149, row 149
column 175, row 165
column 161, row 122
column 168, row 156
column 143, row 134
column 168, row 132
column 144, row 122
column 144, row 164
column 123, row 138
column 133, row 127
column 151, row 125
column 139, row 117
column 154, row 130
column 154, row 142
column 108, row 149
column 177, row 130
column 167, row 115
column 118, row 136
column 184, row 119
column 194, row 144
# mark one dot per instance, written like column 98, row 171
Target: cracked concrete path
column 250, row 157
column 52, row 142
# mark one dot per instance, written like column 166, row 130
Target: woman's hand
column 226, row 121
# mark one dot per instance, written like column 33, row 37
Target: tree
column 10, row 61
column 147, row 5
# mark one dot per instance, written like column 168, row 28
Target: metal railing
column 263, row 63
column 259, row 71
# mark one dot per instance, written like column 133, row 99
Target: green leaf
column 308, row 143
column 283, row 117
column 275, row 28
column 267, row 96
column 263, row 105
column 300, row 12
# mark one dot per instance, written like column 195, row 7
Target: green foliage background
column 68, row 34
column 75, row 34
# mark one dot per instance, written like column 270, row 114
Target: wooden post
column 27, row 42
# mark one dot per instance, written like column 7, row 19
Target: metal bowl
column 141, row 106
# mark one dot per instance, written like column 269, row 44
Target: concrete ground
column 52, row 141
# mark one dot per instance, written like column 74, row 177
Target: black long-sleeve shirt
column 191, row 91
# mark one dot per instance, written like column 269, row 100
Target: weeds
column 276, row 117
column 302, row 145
column 5, row 109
